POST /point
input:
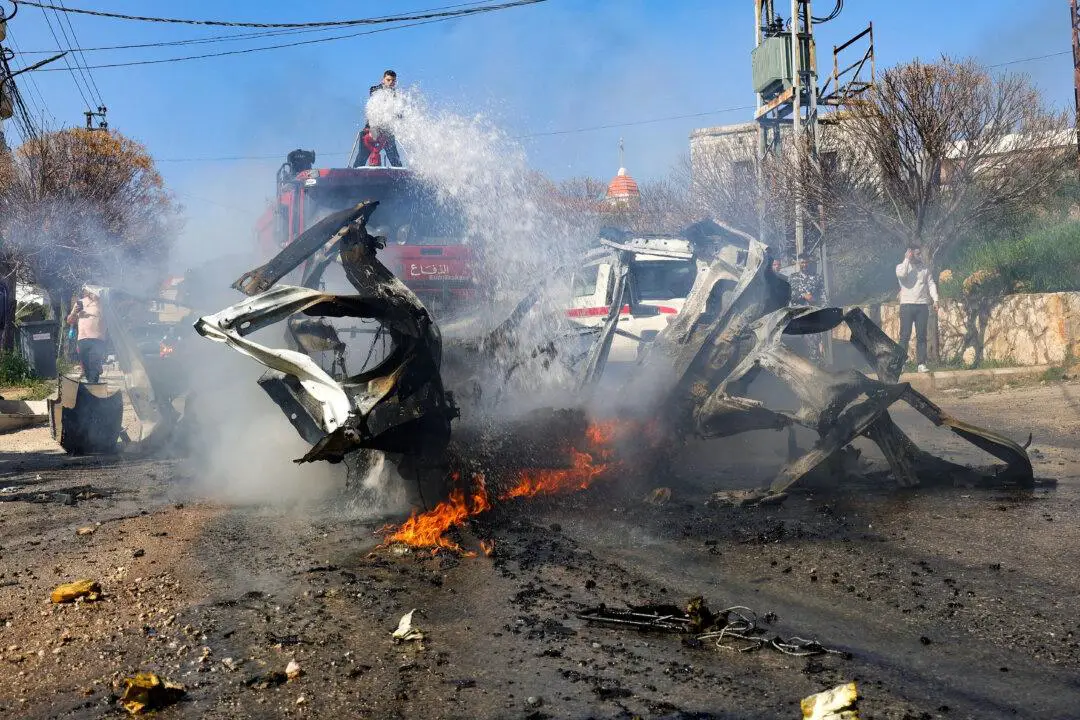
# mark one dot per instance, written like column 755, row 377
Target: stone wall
column 1021, row 330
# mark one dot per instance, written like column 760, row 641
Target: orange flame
column 543, row 481
column 428, row 529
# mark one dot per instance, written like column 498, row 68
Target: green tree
column 84, row 206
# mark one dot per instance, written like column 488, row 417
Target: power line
column 232, row 158
column 424, row 15
column 277, row 156
column 1029, row 59
column 630, row 124
column 23, row 120
column 72, row 43
column 43, row 107
column 67, row 64
column 236, row 37
column 255, row 49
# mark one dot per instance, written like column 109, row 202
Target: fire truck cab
column 425, row 238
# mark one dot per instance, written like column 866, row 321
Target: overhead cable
column 67, row 65
column 297, row 43
column 424, row 15
column 277, row 156
column 73, row 42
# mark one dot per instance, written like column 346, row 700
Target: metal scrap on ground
column 734, row 628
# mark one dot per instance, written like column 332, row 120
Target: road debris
column 659, row 496
column 405, row 630
column 744, row 498
column 273, row 678
column 733, row 628
column 734, row 326
column 86, row 530
column 293, row 670
column 72, row 591
column 836, row 704
column 147, row 692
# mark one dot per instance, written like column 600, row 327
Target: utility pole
column 7, row 271
column 1074, row 18
column 785, row 78
column 11, row 106
column 103, row 124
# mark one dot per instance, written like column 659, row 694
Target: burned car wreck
column 696, row 378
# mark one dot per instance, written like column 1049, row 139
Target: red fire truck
column 425, row 237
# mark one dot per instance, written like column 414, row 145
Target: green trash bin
column 37, row 343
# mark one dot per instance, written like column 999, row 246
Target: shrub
column 14, row 369
column 1046, row 259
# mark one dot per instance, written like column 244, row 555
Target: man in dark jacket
column 380, row 136
column 808, row 288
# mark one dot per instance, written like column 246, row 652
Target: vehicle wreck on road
column 696, row 378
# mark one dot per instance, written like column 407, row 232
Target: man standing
column 918, row 296
column 87, row 314
column 380, row 136
column 807, row 288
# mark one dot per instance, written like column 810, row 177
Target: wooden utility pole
column 1074, row 19
column 7, row 270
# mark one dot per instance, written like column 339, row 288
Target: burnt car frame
column 735, row 326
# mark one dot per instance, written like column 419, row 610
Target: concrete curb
column 945, row 379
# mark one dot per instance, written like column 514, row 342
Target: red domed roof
column 622, row 186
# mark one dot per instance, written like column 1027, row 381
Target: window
column 742, row 170
column 662, row 279
column 584, row 283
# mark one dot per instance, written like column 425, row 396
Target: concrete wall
column 1022, row 330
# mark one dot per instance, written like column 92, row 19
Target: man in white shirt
column 918, row 296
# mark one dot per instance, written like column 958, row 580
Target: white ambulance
column 661, row 272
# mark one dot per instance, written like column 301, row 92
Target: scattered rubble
column 147, row 692
column 405, row 630
column 658, row 496
column 293, row 670
column 836, row 704
column 79, row 589
column 734, row 628
column 270, row 679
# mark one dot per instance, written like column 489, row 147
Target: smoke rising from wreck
column 518, row 232
column 518, row 236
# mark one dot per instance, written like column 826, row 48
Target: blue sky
column 562, row 65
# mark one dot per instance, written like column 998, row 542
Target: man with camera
column 86, row 316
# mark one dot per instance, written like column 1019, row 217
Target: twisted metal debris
column 698, row 371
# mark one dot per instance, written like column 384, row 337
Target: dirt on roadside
column 950, row 602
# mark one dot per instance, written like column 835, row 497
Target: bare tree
column 937, row 151
column 730, row 182
column 84, row 206
column 583, row 187
column 665, row 205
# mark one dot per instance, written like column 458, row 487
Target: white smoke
column 478, row 169
column 513, row 223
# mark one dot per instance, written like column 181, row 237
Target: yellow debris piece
column 72, row 591
column 836, row 704
column 147, row 691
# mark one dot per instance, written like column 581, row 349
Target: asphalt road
column 952, row 602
